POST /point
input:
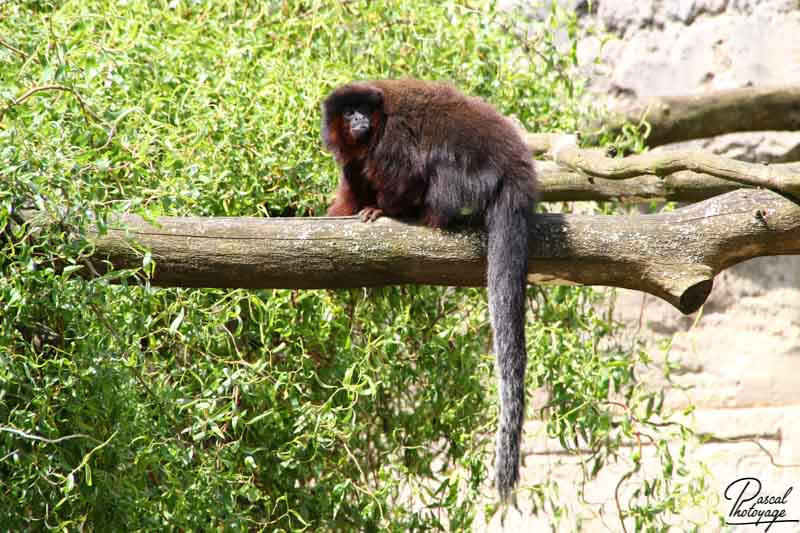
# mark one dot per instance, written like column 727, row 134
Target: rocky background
column 740, row 355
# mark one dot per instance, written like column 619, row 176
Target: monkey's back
column 443, row 122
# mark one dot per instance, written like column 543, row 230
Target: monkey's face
column 352, row 120
column 358, row 122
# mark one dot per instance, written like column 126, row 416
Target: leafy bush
column 129, row 407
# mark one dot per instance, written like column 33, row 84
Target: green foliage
column 127, row 407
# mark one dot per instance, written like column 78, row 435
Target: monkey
column 410, row 148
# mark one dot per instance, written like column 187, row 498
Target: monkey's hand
column 370, row 214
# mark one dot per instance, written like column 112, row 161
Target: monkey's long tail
column 507, row 224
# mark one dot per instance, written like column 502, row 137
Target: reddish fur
column 347, row 147
column 357, row 193
column 397, row 180
column 334, row 129
column 346, row 203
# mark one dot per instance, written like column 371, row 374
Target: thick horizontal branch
column 673, row 255
column 683, row 118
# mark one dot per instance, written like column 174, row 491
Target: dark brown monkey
column 414, row 148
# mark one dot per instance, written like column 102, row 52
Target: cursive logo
column 750, row 507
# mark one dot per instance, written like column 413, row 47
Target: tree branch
column 557, row 184
column 541, row 143
column 13, row 48
column 672, row 255
column 587, row 174
column 780, row 178
column 683, row 118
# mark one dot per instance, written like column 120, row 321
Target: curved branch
column 779, row 178
column 683, row 118
column 87, row 111
column 557, row 184
column 672, row 255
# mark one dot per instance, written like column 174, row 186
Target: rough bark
column 557, row 184
column 683, row 118
column 596, row 165
column 587, row 174
column 784, row 179
column 672, row 255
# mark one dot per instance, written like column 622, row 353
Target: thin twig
column 112, row 330
column 616, row 498
column 41, row 88
column 31, row 436
column 754, row 439
column 88, row 455
column 14, row 49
